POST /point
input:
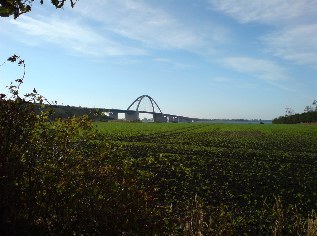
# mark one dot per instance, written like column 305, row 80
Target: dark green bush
column 56, row 177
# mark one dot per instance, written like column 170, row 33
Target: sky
column 215, row 59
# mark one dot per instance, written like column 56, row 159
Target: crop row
column 241, row 167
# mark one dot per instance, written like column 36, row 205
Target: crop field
column 245, row 169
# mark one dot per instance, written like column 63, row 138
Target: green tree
column 308, row 109
column 315, row 105
column 16, row 8
column 60, row 177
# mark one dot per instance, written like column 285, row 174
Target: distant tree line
column 308, row 116
column 65, row 112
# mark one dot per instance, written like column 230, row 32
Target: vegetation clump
column 308, row 116
column 56, row 176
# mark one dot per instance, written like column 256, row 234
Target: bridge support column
column 180, row 119
column 114, row 115
column 187, row 120
column 132, row 116
column 173, row 119
column 159, row 117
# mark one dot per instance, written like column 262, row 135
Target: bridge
column 158, row 115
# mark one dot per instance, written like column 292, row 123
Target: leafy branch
column 19, row 7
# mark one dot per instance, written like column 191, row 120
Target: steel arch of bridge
column 139, row 99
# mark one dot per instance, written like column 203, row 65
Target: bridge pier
column 180, row 119
column 132, row 116
column 173, row 119
column 187, row 120
column 159, row 117
column 114, row 115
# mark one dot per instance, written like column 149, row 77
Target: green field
column 76, row 177
column 244, row 169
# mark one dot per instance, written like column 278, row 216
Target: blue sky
column 197, row 58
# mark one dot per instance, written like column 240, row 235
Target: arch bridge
column 158, row 115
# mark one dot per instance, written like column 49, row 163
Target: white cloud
column 152, row 26
column 71, row 34
column 294, row 25
column 264, row 70
column 257, row 68
column 297, row 44
column 267, row 11
column 119, row 28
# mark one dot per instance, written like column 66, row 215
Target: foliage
column 308, row 116
column 19, row 7
column 70, row 111
column 58, row 177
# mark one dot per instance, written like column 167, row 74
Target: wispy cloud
column 257, row 68
column 294, row 25
column 151, row 25
column 297, row 44
column 118, row 28
column 265, row 70
column 71, row 34
column 267, row 11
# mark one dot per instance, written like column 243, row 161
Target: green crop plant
column 240, row 169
